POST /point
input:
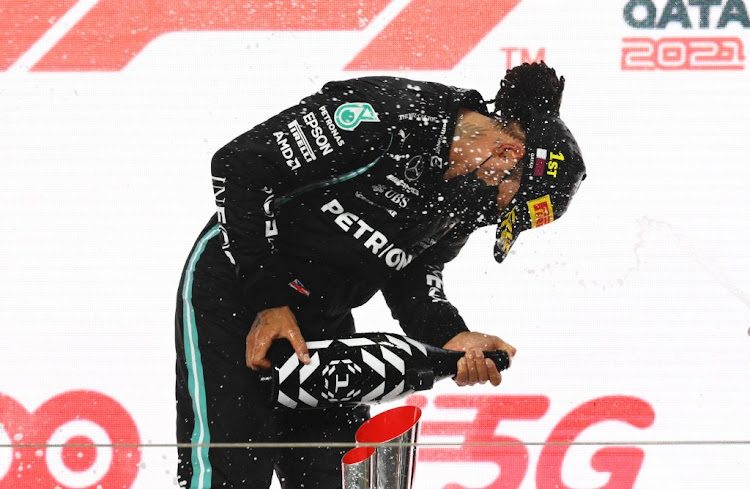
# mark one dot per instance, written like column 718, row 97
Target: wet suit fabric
column 318, row 208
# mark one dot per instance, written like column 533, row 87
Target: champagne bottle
column 364, row 368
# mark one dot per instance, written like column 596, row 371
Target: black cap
column 553, row 169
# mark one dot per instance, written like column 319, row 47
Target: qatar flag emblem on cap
column 540, row 163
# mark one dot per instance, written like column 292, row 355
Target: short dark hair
column 529, row 90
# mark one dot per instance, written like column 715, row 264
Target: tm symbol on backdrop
column 515, row 56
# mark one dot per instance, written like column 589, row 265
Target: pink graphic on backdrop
column 623, row 463
column 425, row 35
column 71, row 418
column 22, row 23
column 432, row 35
column 512, row 459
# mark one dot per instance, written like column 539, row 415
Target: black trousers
column 218, row 399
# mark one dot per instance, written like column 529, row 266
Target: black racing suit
column 319, row 208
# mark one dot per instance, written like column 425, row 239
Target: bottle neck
column 444, row 363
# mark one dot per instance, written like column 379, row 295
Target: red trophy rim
column 357, row 455
column 388, row 425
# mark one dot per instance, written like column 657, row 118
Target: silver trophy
column 389, row 464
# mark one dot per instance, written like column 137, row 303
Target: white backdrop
column 642, row 291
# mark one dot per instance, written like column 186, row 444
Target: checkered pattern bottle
column 366, row 368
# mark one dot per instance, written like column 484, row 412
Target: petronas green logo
column 349, row 116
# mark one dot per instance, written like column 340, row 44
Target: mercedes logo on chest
column 414, row 168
